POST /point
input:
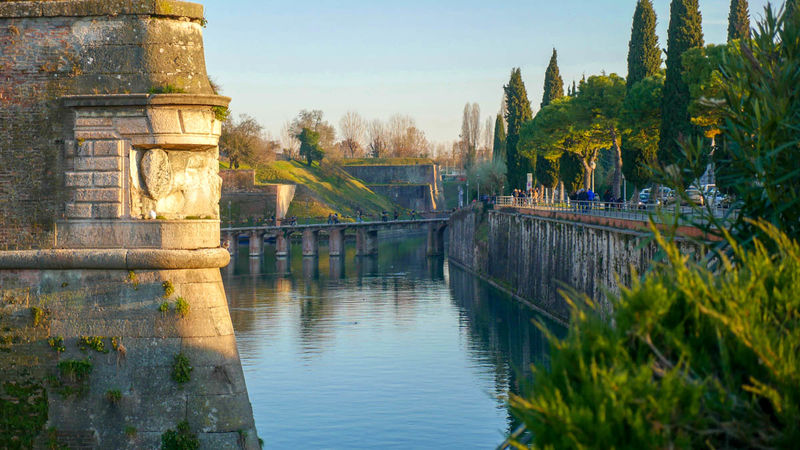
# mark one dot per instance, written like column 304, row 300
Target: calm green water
column 394, row 351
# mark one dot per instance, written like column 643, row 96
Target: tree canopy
column 641, row 121
column 309, row 146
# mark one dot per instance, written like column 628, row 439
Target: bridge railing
column 340, row 225
column 630, row 211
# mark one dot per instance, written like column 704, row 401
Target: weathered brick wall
column 51, row 49
column 238, row 180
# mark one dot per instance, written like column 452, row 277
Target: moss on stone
column 23, row 413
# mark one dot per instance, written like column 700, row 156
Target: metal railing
column 629, row 211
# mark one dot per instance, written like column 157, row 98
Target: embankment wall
column 535, row 257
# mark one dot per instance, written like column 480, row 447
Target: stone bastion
column 114, row 323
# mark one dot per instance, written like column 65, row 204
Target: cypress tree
column 644, row 55
column 644, row 60
column 685, row 32
column 553, row 84
column 738, row 20
column 518, row 111
column 499, row 147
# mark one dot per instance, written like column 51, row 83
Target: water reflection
column 396, row 350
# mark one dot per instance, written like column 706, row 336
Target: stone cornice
column 88, row 8
column 111, row 100
column 115, row 259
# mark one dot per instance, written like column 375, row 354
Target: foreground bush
column 695, row 359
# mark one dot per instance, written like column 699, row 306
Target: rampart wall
column 403, row 183
column 114, row 326
column 49, row 49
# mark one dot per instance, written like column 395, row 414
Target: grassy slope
column 330, row 189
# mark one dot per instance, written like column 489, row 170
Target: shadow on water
column 502, row 331
column 398, row 348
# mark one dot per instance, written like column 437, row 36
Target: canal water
column 394, row 351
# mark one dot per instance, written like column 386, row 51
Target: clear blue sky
column 421, row 58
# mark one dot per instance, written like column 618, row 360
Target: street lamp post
column 593, row 166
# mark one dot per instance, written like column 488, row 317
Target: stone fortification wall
column 250, row 200
column 403, row 179
column 114, row 326
column 410, row 196
column 535, row 257
column 49, row 49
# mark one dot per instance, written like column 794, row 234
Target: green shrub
column 130, row 431
column 695, row 359
column 180, row 439
column 164, row 307
column 181, row 369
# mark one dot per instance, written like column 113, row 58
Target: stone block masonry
column 112, row 311
column 49, row 49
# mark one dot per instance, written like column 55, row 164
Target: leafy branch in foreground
column 695, row 359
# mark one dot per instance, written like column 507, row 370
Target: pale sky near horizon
column 422, row 58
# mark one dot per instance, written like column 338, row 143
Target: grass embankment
column 322, row 190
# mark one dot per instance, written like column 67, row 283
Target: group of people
column 530, row 196
column 333, row 218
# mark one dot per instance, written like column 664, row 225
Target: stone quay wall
column 534, row 257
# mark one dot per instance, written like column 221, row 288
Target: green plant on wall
column 181, row 369
column 23, row 413
column 92, row 342
column 180, row 439
column 57, row 344
column 182, row 306
column 167, row 89
column 133, row 279
column 114, row 396
column 74, row 377
column 169, row 289
column 38, row 315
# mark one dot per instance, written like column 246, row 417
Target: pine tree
column 685, row 32
column 499, row 147
column 738, row 20
column 553, row 84
column 518, row 111
column 644, row 55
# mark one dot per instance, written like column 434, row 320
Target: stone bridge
column 366, row 236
